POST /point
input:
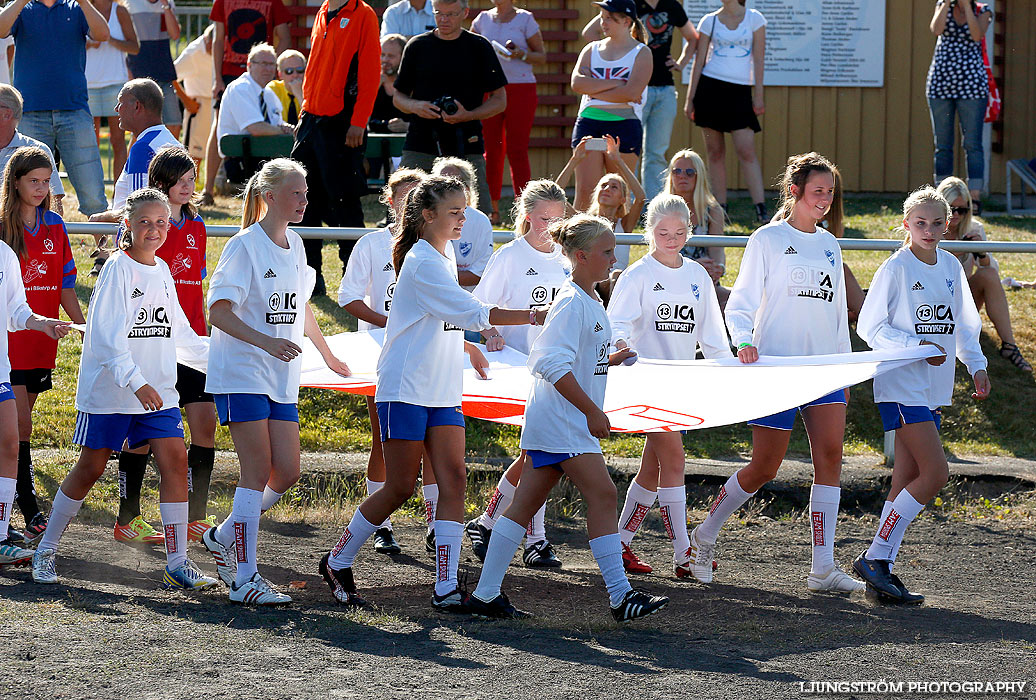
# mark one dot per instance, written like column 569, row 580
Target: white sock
column 730, row 497
column 270, row 498
column 374, row 487
column 890, row 531
column 885, row 508
column 507, row 536
column 447, row 555
column 356, row 533
column 242, row 528
column 607, row 550
column 61, row 514
column 174, row 524
column 638, row 502
column 8, row 488
column 502, row 498
column 823, row 516
column 537, row 530
column 431, row 500
column 672, row 503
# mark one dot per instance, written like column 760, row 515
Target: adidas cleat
column 833, row 581
column 225, row 557
column 498, row 608
column 12, row 554
column 137, row 531
column 257, row 591
column 632, row 563
column 343, row 588
column 385, row 541
column 478, row 535
column 43, row 569
column 700, row 558
column 637, row 604
column 187, row 577
column 35, row 529
column 541, row 556
column 197, row 528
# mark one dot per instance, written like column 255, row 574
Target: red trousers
column 508, row 133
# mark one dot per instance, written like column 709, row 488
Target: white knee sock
column 507, row 536
column 502, row 498
column 372, row 487
column 270, row 498
column 242, row 528
column 431, row 500
column 730, row 497
column 885, row 508
column 890, row 531
column 638, row 502
column 607, row 550
column 174, row 525
column 672, row 503
column 61, row 514
column 356, row 533
column 823, row 516
column 8, row 488
column 447, row 555
column 537, row 530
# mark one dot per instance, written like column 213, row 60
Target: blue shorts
column 6, row 392
column 786, row 419
column 100, row 431
column 407, row 421
column 539, row 458
column 630, row 132
column 242, row 408
column 895, row 415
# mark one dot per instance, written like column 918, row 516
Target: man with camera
column 442, row 80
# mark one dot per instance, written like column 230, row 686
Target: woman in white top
column 475, row 244
column 789, row 299
column 420, row 385
column 664, row 307
column 919, row 296
column 726, row 93
column 254, row 300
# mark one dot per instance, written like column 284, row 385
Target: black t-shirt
column 383, row 111
column 465, row 69
column 660, row 22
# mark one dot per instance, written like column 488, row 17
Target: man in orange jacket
column 341, row 84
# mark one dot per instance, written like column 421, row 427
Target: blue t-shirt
column 50, row 56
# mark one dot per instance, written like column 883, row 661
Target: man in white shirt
column 250, row 108
column 409, row 18
column 11, row 139
column 194, row 72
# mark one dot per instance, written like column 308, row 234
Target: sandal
column 1010, row 351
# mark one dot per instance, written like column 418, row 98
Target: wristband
column 532, row 317
column 742, row 346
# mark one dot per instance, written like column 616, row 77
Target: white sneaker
column 700, row 555
column 43, row 570
column 833, row 581
column 258, row 592
column 225, row 557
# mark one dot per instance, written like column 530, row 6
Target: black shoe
column 638, row 604
column 341, row 583
column 908, row 597
column 15, row 537
column 320, row 289
column 760, row 214
column 479, row 537
column 455, row 602
column 35, row 529
column 541, row 555
column 429, row 541
column 385, row 541
column 498, row 608
column 878, row 577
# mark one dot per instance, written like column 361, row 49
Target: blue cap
column 622, row 7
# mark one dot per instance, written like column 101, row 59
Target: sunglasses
column 960, row 211
column 293, row 71
column 689, row 172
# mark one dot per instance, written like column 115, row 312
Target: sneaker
column 429, row 541
column 197, row 528
column 35, row 529
column 137, row 531
column 637, row 604
column 453, row 602
column 187, row 577
column 257, row 591
column 385, row 541
column 478, row 535
column 13, row 554
column 341, row 582
column 909, row 598
column 834, row 581
column 700, row 558
column 15, row 536
column 43, row 570
column 878, row 578
column 498, row 608
column 541, row 556
column 632, row 563
column 225, row 557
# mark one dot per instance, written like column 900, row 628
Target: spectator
column 250, row 108
column 475, row 245
column 447, row 105
column 194, row 73
column 726, row 94
column 291, row 71
column 386, row 117
column 957, row 85
column 106, row 73
column 981, row 269
column 659, row 17
column 157, row 25
column 6, row 56
column 408, row 18
column 507, row 133
column 338, row 95
column 50, row 73
column 11, row 140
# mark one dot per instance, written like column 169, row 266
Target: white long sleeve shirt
column 665, row 313
column 789, row 296
column 520, row 277
column 575, row 338
column 369, row 275
column 422, row 358
column 13, row 308
column 268, row 288
column 475, row 245
column 910, row 301
column 133, row 330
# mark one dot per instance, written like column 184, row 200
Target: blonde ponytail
column 267, row 179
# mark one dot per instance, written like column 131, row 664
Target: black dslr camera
column 446, row 104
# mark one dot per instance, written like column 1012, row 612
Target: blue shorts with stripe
column 895, row 415
column 540, row 458
column 784, row 420
column 100, row 431
column 6, row 392
column 407, row 421
column 242, row 408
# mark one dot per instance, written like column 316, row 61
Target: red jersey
column 184, row 253
column 247, row 23
column 47, row 268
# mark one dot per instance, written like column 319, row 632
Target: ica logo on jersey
column 602, row 360
column 934, row 319
column 151, row 322
column 674, row 318
column 811, row 282
column 283, row 308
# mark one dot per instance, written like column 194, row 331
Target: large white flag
column 649, row 396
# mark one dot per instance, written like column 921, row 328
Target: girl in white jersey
column 789, row 299
column 919, row 296
column 564, row 422
column 259, row 309
column 527, row 272
column 420, row 385
column 127, row 386
column 664, row 307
